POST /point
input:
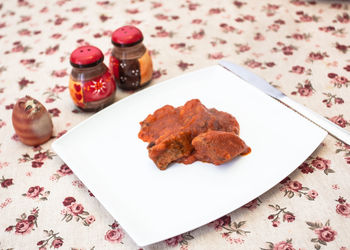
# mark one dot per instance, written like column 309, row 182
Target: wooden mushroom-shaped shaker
column 31, row 121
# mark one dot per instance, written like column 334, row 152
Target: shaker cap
column 86, row 56
column 126, row 36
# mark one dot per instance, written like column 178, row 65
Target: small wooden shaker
column 91, row 85
column 31, row 121
column 130, row 61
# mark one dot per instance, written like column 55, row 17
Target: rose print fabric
column 300, row 46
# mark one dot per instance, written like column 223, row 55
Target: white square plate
column 152, row 205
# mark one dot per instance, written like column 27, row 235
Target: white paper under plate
column 152, row 205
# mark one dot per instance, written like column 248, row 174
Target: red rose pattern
column 76, row 210
column 114, row 235
column 295, row 188
column 55, row 112
column 182, row 240
column 174, row 241
column 338, row 80
column 283, row 212
column 332, row 99
column 282, row 245
column 343, row 208
column 340, row 121
column 222, row 222
column 344, row 149
column 316, row 163
column 316, row 74
column 54, row 238
column 305, row 89
column 305, row 168
column 24, row 227
column 40, row 156
column 37, row 159
column 62, row 171
column 298, row 69
column 288, row 217
column 65, row 170
column 325, row 234
column 295, row 185
column 90, row 219
column 25, row 224
column 321, row 163
column 57, row 243
column 68, row 201
column 315, row 56
column 253, row 204
column 227, row 229
column 312, row 194
column 34, row 192
column 5, row 183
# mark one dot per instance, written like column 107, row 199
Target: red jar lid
column 86, row 56
column 126, row 36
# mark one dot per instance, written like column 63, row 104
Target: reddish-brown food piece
column 162, row 122
column 226, row 121
column 170, row 131
column 218, row 147
column 170, row 149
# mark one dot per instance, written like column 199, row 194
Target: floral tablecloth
column 302, row 47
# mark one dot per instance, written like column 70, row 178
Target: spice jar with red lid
column 91, row 85
column 130, row 61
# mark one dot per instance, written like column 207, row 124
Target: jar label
column 132, row 73
column 114, row 67
column 76, row 92
column 99, row 88
column 93, row 90
column 146, row 68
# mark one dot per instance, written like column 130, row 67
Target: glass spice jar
column 91, row 85
column 130, row 61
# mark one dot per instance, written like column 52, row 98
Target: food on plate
column 189, row 133
column 31, row 121
column 218, row 147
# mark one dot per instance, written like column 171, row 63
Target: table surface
column 302, row 47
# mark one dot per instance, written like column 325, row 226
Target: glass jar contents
column 91, row 85
column 130, row 61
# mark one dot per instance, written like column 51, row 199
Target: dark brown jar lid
column 86, row 56
column 126, row 36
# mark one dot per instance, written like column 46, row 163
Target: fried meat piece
column 161, row 123
column 170, row 149
column 175, row 142
column 226, row 122
column 218, row 147
column 170, row 131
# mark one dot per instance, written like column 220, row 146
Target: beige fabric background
column 302, row 47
